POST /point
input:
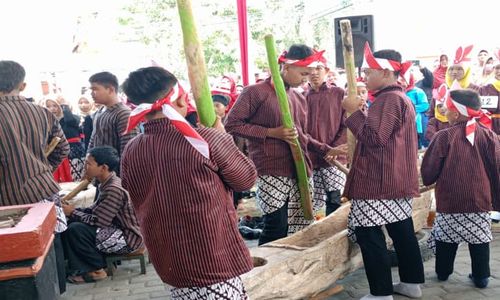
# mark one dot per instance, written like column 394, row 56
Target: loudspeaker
column 362, row 32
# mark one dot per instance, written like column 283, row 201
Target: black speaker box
column 362, row 32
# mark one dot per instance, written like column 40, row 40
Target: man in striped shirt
column 326, row 123
column 180, row 181
column 111, row 119
column 108, row 226
column 256, row 116
column 383, row 178
column 25, row 170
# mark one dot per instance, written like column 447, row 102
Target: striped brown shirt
column 433, row 127
column 490, row 90
column 112, row 209
column 325, row 120
column 385, row 159
column 25, row 131
column 467, row 177
column 184, row 206
column 109, row 125
column 257, row 110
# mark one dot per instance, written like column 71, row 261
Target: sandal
column 79, row 279
column 84, row 278
column 98, row 275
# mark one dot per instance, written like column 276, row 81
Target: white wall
column 430, row 27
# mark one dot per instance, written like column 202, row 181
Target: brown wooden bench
column 138, row 254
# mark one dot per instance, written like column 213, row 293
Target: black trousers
column 479, row 255
column 80, row 250
column 275, row 225
column 332, row 201
column 61, row 269
column 376, row 258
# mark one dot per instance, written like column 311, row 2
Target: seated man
column 108, row 226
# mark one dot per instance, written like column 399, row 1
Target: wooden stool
column 138, row 254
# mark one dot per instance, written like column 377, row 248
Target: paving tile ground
column 128, row 284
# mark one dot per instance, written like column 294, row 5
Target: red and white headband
column 481, row 114
column 371, row 62
column 178, row 121
column 313, row 61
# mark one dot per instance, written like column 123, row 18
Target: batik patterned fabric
column 472, row 228
column 111, row 240
column 231, row 289
column 61, row 223
column 273, row 192
column 76, row 160
column 327, row 180
column 377, row 212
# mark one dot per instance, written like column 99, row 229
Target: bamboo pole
column 350, row 69
column 196, row 65
column 286, row 117
column 80, row 187
column 424, row 189
column 341, row 167
column 52, row 145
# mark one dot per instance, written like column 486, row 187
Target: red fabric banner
column 243, row 29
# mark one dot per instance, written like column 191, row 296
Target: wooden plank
column 330, row 292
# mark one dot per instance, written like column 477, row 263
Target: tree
column 155, row 23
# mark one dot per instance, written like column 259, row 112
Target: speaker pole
column 350, row 70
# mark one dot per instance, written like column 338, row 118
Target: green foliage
column 220, row 55
column 155, row 23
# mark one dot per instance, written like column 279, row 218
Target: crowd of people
column 171, row 185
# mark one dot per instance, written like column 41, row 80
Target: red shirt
column 184, row 204
column 466, row 176
column 385, row 159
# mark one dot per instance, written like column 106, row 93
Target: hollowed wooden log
column 311, row 260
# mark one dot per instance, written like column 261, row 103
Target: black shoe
column 479, row 283
column 249, row 233
column 247, row 222
column 259, row 222
column 442, row 277
column 247, row 194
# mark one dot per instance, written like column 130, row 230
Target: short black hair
column 299, row 51
column 389, row 54
column 106, row 79
column 224, row 100
column 11, row 75
column 146, row 85
column 106, row 155
column 467, row 97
